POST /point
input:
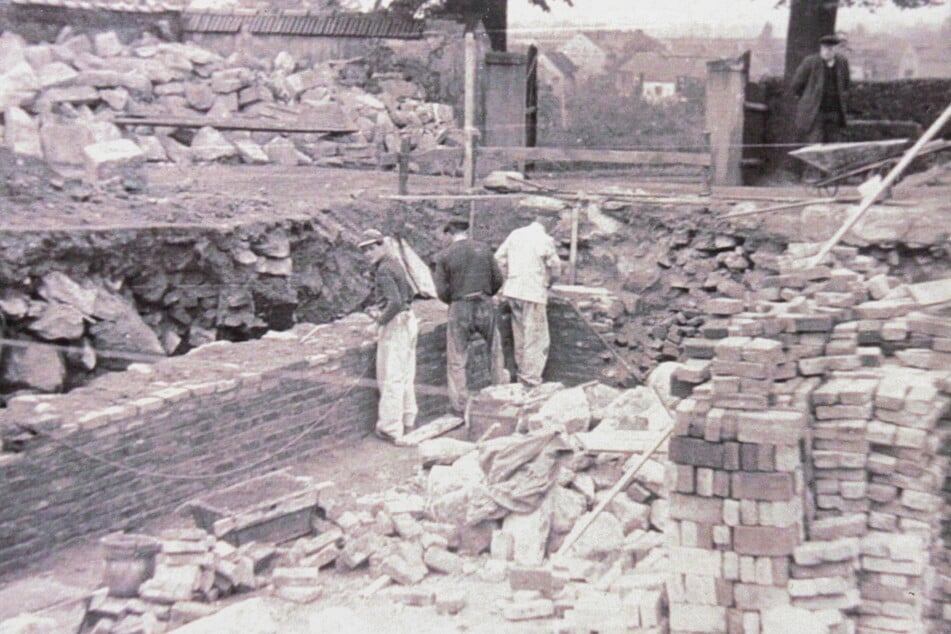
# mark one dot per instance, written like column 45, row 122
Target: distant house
column 589, row 58
column 926, row 60
column 768, row 54
column 658, row 77
column 557, row 72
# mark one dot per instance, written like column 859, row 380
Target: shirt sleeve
column 798, row 84
column 502, row 257
column 552, row 261
column 497, row 278
column 441, row 279
column 392, row 300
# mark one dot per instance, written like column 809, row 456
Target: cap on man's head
column 829, row 40
column 370, row 236
column 456, row 225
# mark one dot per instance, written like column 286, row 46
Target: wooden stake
column 573, row 253
column 403, row 162
column 471, row 53
column 802, row 203
column 887, row 182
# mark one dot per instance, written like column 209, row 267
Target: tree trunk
column 495, row 20
column 808, row 21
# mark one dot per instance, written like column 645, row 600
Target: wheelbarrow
column 832, row 164
column 829, row 165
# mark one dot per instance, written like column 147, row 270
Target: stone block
column 696, row 509
column 21, row 133
column 527, row 610
column 750, row 596
column 441, row 560
column 687, row 617
column 763, row 486
column 696, row 452
column 109, row 159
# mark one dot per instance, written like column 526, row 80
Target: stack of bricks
column 737, row 479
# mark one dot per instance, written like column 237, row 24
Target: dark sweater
column 393, row 291
column 466, row 267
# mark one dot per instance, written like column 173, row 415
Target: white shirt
column 528, row 258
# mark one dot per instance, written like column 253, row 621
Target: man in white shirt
column 529, row 260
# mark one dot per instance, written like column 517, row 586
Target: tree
column 811, row 19
column 492, row 13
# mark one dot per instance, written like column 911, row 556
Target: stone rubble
column 60, row 99
column 618, row 563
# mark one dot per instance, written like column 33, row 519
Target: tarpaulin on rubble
column 520, row 469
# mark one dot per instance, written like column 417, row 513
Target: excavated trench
column 263, row 267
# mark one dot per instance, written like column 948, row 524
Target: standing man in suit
column 821, row 83
column 466, row 278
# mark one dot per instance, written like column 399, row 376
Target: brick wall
column 216, row 409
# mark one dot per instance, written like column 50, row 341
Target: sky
column 703, row 17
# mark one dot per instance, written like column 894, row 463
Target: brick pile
column 737, row 514
column 857, row 383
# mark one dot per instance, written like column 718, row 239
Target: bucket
column 130, row 561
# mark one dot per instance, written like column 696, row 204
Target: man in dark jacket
column 398, row 332
column 822, row 85
column 466, row 278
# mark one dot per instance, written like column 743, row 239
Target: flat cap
column 456, row 224
column 370, row 236
column 830, row 40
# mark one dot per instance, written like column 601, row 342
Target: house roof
column 288, row 23
column 124, row 6
column 625, row 42
column 663, row 67
column 561, row 61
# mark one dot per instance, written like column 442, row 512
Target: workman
column 467, row 277
column 529, row 260
column 822, row 85
column 397, row 333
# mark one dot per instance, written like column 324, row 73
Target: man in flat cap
column 466, row 278
column 398, row 331
column 529, row 259
column 822, row 85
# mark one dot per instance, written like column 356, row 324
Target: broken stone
column 279, row 268
column 282, row 152
column 210, row 145
column 21, row 133
column 566, row 410
column 14, row 304
column 107, row 44
column 442, row 451
column 121, row 329
column 406, row 566
column 530, row 534
column 29, row 624
column 152, row 148
column 274, row 244
column 567, row 507
column 199, row 96
column 18, row 86
column 57, row 74
column 450, row 601
column 250, row 152
column 121, row 158
column 63, row 143
column 115, row 98
column 58, row 287
column 69, row 94
column 33, row 367
column 605, row 534
column 443, row 561
column 58, row 321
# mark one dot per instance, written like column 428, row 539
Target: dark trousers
column 467, row 318
column 826, row 129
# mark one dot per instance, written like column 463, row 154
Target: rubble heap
column 60, row 100
column 809, row 458
column 456, row 518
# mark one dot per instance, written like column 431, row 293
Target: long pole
column 893, row 175
column 468, row 168
column 621, row 484
column 573, row 249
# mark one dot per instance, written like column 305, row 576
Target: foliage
column 598, row 117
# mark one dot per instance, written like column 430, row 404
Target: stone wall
column 809, row 462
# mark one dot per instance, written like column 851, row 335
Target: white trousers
column 530, row 339
column 395, row 374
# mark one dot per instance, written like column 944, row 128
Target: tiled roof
column 125, row 6
column 561, row 62
column 333, row 25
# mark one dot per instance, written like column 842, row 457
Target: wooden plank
column 436, row 428
column 617, row 441
column 620, row 157
column 239, row 123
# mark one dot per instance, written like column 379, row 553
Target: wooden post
column 893, row 175
column 725, row 96
column 471, row 61
column 573, row 252
column 403, row 162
